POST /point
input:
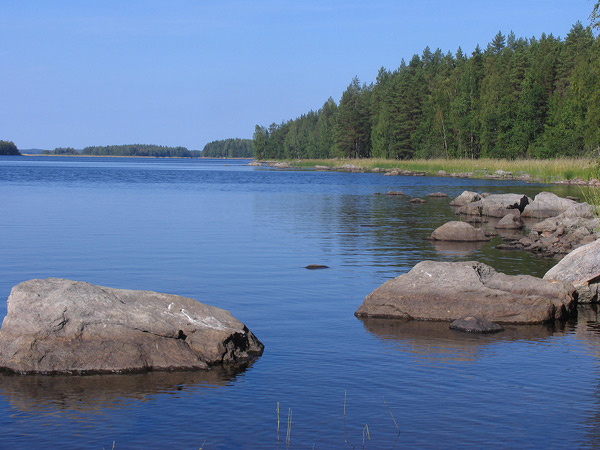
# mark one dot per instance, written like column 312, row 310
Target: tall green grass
column 592, row 193
column 545, row 170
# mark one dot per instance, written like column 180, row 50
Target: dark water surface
column 239, row 237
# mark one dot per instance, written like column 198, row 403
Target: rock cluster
column 63, row 326
column 559, row 235
column 567, row 224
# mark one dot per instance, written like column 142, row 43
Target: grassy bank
column 546, row 170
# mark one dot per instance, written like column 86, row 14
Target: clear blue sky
column 186, row 72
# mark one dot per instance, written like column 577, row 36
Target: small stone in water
column 472, row 324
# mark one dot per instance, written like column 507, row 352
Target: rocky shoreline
column 474, row 295
column 496, row 175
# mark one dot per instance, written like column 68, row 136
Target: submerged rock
column 459, row 232
column 316, row 267
column 472, row 324
column 65, row 326
column 450, row 290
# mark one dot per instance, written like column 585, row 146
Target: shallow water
column 239, row 237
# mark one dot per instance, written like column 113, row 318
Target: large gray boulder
column 459, row 232
column 64, row 326
column 450, row 290
column 547, row 204
column 496, row 205
column 581, row 267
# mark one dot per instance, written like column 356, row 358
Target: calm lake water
column 239, row 237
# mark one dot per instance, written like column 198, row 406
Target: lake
column 239, row 237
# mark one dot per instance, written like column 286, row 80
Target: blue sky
column 186, row 72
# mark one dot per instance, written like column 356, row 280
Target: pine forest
column 517, row 98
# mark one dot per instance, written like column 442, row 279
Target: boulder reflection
column 90, row 393
column 456, row 247
column 434, row 342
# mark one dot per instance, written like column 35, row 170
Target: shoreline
column 570, row 171
column 566, row 171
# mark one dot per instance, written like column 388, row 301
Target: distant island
column 158, row 151
column 225, row 148
column 61, row 151
column 8, row 148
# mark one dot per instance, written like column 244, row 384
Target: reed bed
column 544, row 170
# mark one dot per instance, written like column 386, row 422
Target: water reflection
column 456, row 248
column 588, row 326
column 89, row 393
column 435, row 342
column 588, row 331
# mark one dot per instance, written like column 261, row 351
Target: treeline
column 139, row 150
column 517, row 98
column 61, row 151
column 229, row 148
column 8, row 148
